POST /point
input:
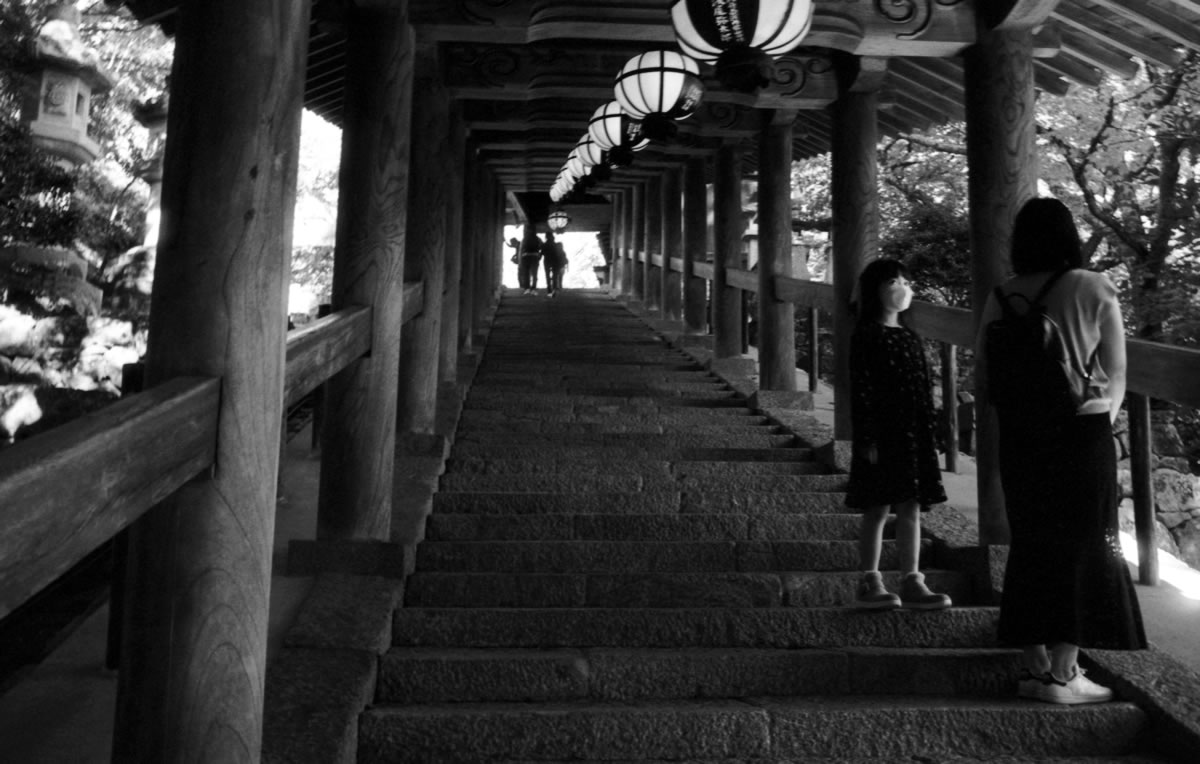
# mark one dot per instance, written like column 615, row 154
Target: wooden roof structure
column 529, row 73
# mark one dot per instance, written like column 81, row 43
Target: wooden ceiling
column 529, row 73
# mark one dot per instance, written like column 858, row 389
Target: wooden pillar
column 652, row 242
column 637, row 218
column 475, row 228
column 672, row 243
column 454, row 170
column 1002, row 175
column 358, row 436
column 428, row 200
column 616, row 273
column 727, row 230
column 193, row 654
column 695, row 225
column 776, row 318
column 855, row 233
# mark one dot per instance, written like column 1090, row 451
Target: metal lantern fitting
column 657, row 88
column 557, row 220
column 741, row 36
column 617, row 133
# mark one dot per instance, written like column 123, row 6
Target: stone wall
column 1176, row 490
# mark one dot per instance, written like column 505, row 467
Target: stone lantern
column 68, row 75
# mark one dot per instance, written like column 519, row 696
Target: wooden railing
column 67, row 491
column 1162, row 372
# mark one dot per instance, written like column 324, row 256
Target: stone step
column 665, row 502
column 624, row 527
column 509, row 464
column 509, row 441
column 646, row 556
column 563, row 482
column 724, row 426
column 656, row 502
column 657, row 448
column 655, row 590
column 886, row 728
column 693, row 627
column 463, row 675
column 794, row 453
column 567, row 412
column 551, row 401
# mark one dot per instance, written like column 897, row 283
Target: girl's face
column 896, row 294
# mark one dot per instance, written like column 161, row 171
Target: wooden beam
column 747, row 281
column 810, row 294
column 321, row 349
column 1160, row 22
column 1099, row 54
column 703, row 270
column 1084, row 20
column 1165, row 372
column 1070, row 67
column 71, row 489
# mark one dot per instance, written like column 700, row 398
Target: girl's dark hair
column 1045, row 238
column 870, row 307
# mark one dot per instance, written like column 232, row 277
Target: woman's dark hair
column 1045, row 238
column 870, row 307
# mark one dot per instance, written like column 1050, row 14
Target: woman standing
column 1066, row 584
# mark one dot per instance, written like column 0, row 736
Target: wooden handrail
column 1165, row 372
column 677, row 264
column 809, row 294
column 67, row 491
column 656, row 260
column 414, row 300
column 747, row 281
column 321, row 349
column 703, row 270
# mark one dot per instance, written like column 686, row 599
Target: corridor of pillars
column 625, row 561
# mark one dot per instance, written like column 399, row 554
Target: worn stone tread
column 693, row 627
column 464, row 675
column 659, row 590
column 886, row 728
column 646, row 556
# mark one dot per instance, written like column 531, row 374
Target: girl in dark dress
column 1066, row 584
column 894, row 464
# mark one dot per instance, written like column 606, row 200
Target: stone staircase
column 626, row 563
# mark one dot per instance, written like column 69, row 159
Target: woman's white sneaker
column 1074, row 691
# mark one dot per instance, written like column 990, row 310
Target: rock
column 1165, row 440
column 109, row 332
column 1187, row 537
column 1124, row 481
column 1177, row 463
column 18, row 408
column 1162, row 536
column 16, row 331
column 1173, row 491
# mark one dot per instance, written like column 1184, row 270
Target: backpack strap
column 1004, row 300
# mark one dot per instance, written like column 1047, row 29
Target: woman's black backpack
column 1030, row 372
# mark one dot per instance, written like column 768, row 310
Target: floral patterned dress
column 891, row 410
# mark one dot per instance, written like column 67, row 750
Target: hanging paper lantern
column 557, row 220
column 617, row 133
column 741, row 36
column 658, row 87
column 589, row 152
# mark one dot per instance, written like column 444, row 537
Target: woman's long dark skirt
column 1066, row 580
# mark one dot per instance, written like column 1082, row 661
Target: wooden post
column 428, row 200
column 615, row 233
column 672, row 243
column 193, row 655
column 475, row 227
column 652, row 243
column 1002, row 175
column 695, row 225
column 776, row 318
column 1141, row 454
column 359, row 439
column 454, row 169
column 950, row 404
column 727, row 230
column 855, row 234
column 637, row 241
column 814, row 348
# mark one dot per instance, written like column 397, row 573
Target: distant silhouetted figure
column 554, row 260
column 1066, row 584
column 527, row 269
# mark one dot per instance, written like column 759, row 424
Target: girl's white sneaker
column 1074, row 691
